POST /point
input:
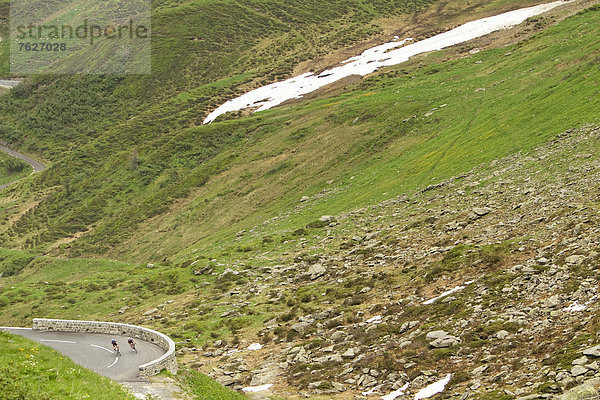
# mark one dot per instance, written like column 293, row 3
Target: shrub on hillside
column 13, row 265
column 13, row 165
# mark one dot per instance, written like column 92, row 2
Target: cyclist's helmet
column 129, row 340
column 114, row 341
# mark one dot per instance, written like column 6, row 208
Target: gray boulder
column 436, row 335
column 481, row 211
column 349, row 353
column 578, row 370
column 575, row 259
column 582, row 392
column 502, row 334
column 592, row 351
column 448, row 341
column 301, row 327
column 316, row 270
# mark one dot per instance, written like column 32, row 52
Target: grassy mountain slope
column 202, row 52
column 202, row 184
column 125, row 149
column 385, row 142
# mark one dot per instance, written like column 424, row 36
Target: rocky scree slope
column 520, row 234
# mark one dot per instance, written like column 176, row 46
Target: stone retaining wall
column 167, row 361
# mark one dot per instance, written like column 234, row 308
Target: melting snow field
column 256, row 389
column 395, row 394
column 575, row 307
column 375, row 320
column 255, row 346
column 433, row 389
column 372, row 59
column 447, row 293
column 425, row 393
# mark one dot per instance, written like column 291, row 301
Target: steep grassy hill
column 126, row 149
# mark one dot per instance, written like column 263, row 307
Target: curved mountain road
column 94, row 351
column 36, row 165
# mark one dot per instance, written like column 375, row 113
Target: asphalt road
column 36, row 165
column 94, row 351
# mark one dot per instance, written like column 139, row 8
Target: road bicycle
column 131, row 344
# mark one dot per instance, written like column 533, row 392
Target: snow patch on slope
column 371, row 60
column 448, row 292
column 433, row 389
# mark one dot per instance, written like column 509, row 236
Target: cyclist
column 131, row 343
column 115, row 346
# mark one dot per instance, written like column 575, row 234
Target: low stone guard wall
column 167, row 361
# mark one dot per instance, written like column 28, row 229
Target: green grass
column 13, row 262
column 82, row 288
column 203, row 52
column 203, row 388
column 492, row 395
column 31, row 371
column 12, row 169
column 97, row 289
